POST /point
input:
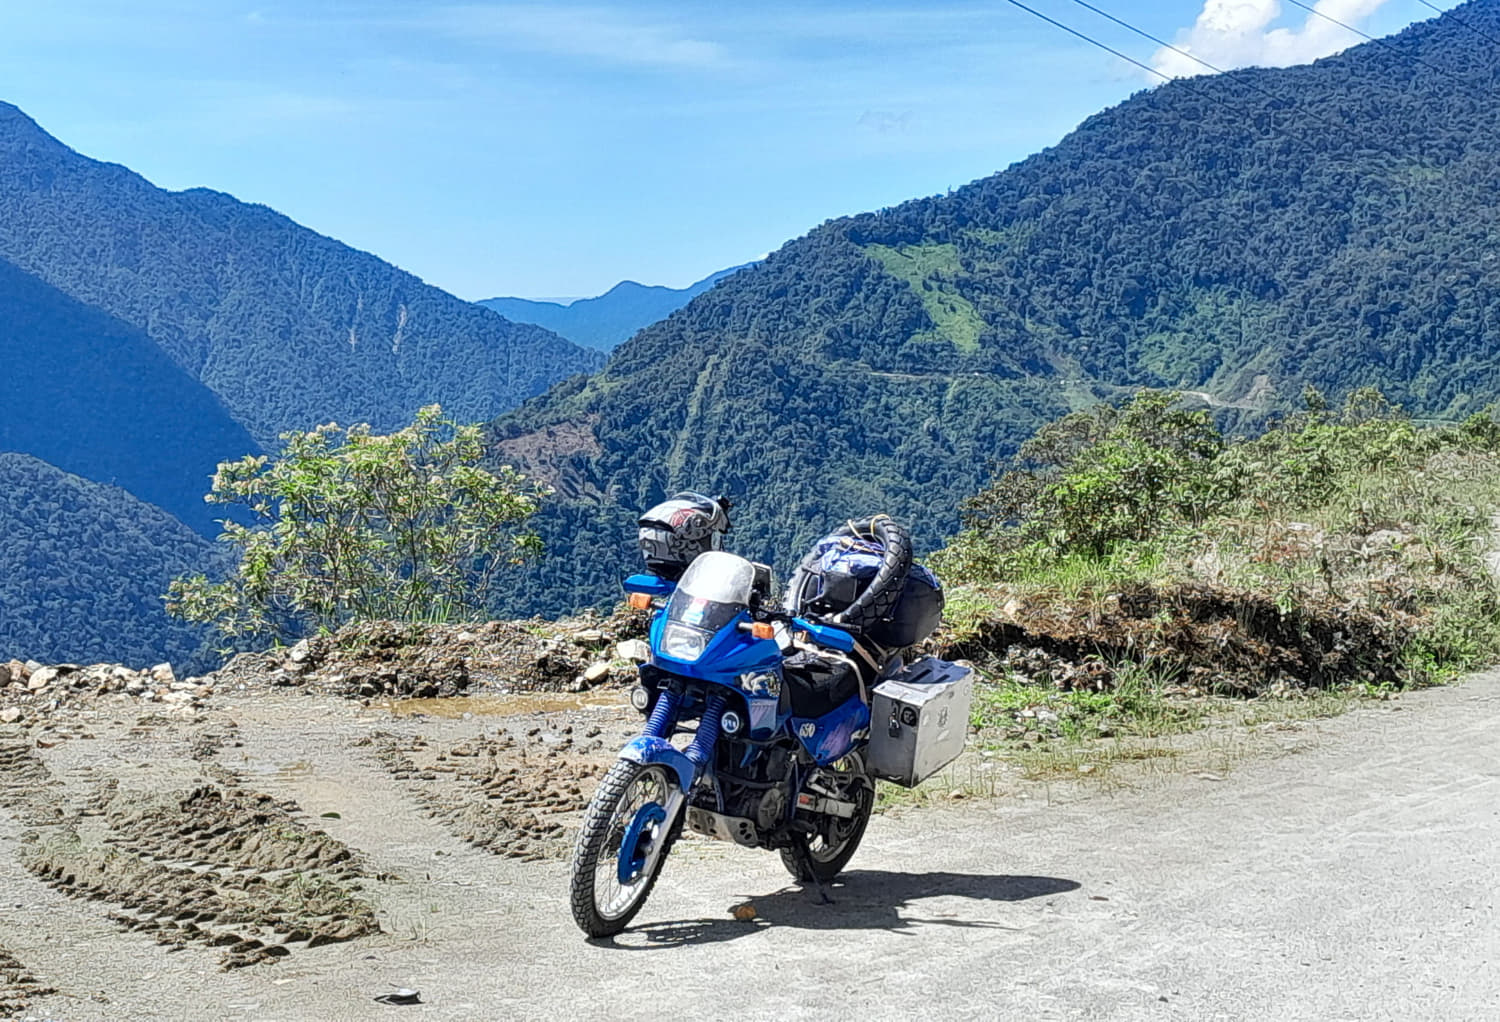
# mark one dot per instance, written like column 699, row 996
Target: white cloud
column 592, row 33
column 1237, row 33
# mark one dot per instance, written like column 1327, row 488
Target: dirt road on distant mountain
column 1343, row 872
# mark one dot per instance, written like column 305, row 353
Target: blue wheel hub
column 637, row 840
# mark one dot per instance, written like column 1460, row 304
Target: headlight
column 761, row 685
column 684, row 642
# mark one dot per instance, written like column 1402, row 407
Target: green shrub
column 350, row 525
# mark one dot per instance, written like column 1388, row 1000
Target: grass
column 1151, row 736
column 929, row 270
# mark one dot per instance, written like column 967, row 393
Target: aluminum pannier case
column 919, row 718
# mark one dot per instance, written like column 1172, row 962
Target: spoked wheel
column 626, row 824
column 823, row 855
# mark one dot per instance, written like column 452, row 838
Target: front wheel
column 621, row 847
column 824, row 854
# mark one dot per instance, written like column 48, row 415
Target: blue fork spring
column 663, row 715
column 708, row 730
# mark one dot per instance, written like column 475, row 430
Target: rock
column 41, row 678
column 135, row 684
column 300, row 652
column 633, row 649
column 588, row 637
column 466, row 637
column 596, row 671
column 4, row 675
column 30, row 666
column 162, row 673
column 10, row 715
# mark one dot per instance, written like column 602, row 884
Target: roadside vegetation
column 348, row 525
column 1134, row 573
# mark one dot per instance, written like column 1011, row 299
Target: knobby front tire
column 602, row 904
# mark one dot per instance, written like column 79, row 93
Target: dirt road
column 1346, row 874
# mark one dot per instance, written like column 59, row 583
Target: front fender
column 649, row 751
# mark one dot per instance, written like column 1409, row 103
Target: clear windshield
column 718, row 577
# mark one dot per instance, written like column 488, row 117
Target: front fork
column 654, row 747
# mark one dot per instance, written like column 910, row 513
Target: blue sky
column 552, row 149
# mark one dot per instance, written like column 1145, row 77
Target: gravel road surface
column 1344, row 871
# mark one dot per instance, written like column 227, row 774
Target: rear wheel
column 621, row 847
column 821, row 856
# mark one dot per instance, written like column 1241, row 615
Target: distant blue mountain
column 609, row 319
column 94, row 395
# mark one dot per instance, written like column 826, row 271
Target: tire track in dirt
column 520, row 798
column 214, row 864
column 17, row 985
column 26, row 785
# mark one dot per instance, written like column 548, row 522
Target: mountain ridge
column 1187, row 237
column 603, row 321
column 96, row 397
column 83, row 566
column 288, row 326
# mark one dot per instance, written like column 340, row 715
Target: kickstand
column 806, row 857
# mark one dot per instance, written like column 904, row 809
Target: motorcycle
column 770, row 706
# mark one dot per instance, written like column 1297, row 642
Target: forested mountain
column 1240, row 235
column 605, row 321
column 82, row 570
column 289, row 328
column 95, row 396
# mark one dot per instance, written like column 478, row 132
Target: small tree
column 350, row 525
column 1107, row 475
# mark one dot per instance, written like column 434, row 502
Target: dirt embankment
column 1205, row 638
column 414, row 661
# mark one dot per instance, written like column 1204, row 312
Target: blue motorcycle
column 758, row 714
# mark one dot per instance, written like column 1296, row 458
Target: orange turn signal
column 762, row 630
column 639, row 601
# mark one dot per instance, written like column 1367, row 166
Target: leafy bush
column 1329, row 526
column 1097, row 478
column 351, row 525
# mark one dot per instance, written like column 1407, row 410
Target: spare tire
column 878, row 599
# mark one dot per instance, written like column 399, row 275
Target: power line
column 1459, row 21
column 1394, row 49
column 1089, row 39
column 1249, row 80
column 1185, row 82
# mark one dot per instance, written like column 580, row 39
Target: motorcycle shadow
column 862, row 899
